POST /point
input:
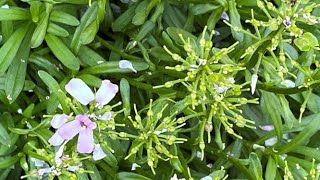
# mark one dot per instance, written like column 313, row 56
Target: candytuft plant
column 159, row 89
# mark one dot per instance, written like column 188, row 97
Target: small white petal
column 43, row 171
column 80, row 91
column 220, row 89
column 105, row 117
column 98, row 153
column 270, row 142
column 206, row 178
column 283, row 156
column 267, row 127
column 210, row 165
column 134, row 166
column 73, row 168
column 125, row 64
column 37, row 162
column 199, row 154
column 6, row 6
column 288, row 83
column 225, row 16
column 254, row 79
column 257, row 146
column 59, row 154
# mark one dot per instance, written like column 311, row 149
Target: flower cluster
column 211, row 85
column 84, row 123
column 155, row 133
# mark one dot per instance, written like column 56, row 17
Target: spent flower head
column 156, row 133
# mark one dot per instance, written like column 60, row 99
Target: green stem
column 116, row 50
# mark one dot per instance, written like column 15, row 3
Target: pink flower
column 81, row 92
column 83, row 126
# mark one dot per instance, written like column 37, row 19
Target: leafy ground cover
column 159, row 89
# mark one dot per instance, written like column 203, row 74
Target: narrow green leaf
column 89, row 57
column 308, row 151
column 131, row 176
column 303, row 136
column 110, row 159
column 4, row 136
column 125, row 96
column 28, row 111
column 55, row 88
column 90, row 166
column 255, row 165
column 202, row 8
column 113, row 67
column 123, row 21
column 57, row 30
column 89, row 17
column 270, row 106
column 64, row 18
column 8, row 161
column 235, row 20
column 41, row 30
column 17, row 70
column 271, row 169
column 286, row 112
column 10, row 48
column 35, row 10
column 174, row 34
column 62, row 52
column 13, row 14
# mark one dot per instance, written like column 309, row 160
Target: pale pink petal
column 98, row 153
column 58, row 120
column 85, row 141
column 80, row 91
column 69, row 130
column 106, row 92
column 56, row 139
column 125, row 64
column 105, row 117
column 86, row 121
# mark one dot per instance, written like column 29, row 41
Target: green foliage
column 224, row 89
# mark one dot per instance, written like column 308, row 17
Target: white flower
column 175, row 177
column 254, row 79
column 257, row 146
column 6, row 6
column 125, row 64
column 98, row 153
column 267, row 127
column 288, row 83
column 81, row 92
column 270, row 142
column 206, row 178
column 134, row 166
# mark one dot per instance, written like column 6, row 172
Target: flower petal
column 98, row 153
column 125, row 64
column 56, row 139
column 58, row 120
column 85, row 141
column 86, row 121
column 106, row 92
column 80, row 91
column 105, row 117
column 69, row 130
column 225, row 16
